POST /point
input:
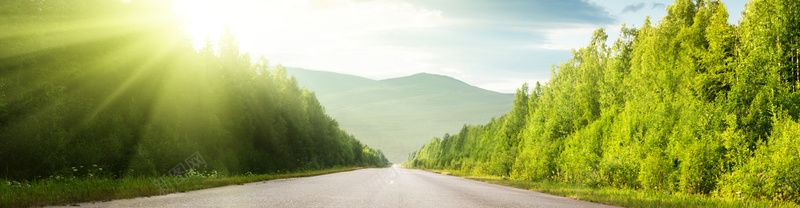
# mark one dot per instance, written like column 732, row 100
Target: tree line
column 118, row 85
column 691, row 104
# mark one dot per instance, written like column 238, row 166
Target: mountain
column 399, row 115
column 329, row 82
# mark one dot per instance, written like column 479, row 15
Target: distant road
column 385, row 187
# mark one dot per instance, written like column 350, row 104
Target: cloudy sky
column 493, row 44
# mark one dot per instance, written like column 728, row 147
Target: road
column 384, row 187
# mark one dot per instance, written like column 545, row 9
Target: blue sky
column 493, row 44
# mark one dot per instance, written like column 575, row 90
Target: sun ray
column 118, row 56
column 144, row 68
column 40, row 36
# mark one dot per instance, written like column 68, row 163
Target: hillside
column 330, row 82
column 399, row 115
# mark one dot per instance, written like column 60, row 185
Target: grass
column 73, row 191
column 622, row 197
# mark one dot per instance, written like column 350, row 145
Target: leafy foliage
column 692, row 105
column 117, row 85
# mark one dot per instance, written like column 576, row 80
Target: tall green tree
column 691, row 104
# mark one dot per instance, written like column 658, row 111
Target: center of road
column 374, row 187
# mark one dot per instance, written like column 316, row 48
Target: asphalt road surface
column 384, row 187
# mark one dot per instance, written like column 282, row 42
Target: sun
column 330, row 34
column 254, row 23
column 206, row 19
column 258, row 25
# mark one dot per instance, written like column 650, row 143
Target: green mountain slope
column 399, row 115
column 330, row 82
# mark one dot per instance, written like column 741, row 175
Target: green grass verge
column 622, row 197
column 72, row 191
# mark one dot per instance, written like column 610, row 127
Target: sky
column 493, row 44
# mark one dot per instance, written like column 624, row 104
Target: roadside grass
column 622, row 197
column 77, row 190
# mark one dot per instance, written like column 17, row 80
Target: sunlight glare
column 205, row 18
column 312, row 33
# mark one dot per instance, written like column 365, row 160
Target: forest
column 115, row 88
column 689, row 104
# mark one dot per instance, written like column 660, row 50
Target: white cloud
column 331, row 35
column 510, row 85
column 381, row 39
column 565, row 38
